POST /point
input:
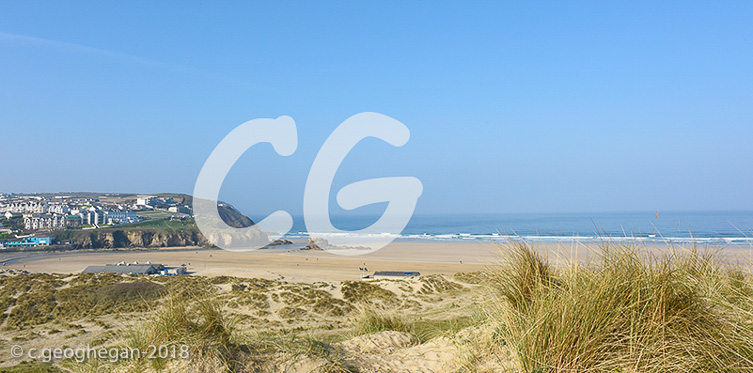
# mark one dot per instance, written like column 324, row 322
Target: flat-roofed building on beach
column 393, row 275
column 135, row 269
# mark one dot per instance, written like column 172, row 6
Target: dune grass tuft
column 198, row 322
column 630, row 310
column 369, row 320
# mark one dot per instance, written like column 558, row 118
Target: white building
column 37, row 222
column 57, row 209
column 144, row 201
column 121, row 217
column 95, row 216
column 179, row 209
column 23, row 207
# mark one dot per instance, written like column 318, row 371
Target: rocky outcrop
column 233, row 217
column 316, row 244
column 279, row 242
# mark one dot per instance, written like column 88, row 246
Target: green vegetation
column 424, row 329
column 40, row 298
column 475, row 278
column 154, row 214
column 630, row 311
column 15, row 223
column 370, row 321
column 216, row 343
column 255, row 299
column 317, row 300
column 84, row 300
column 283, row 349
column 291, row 313
column 32, row 308
column 197, row 322
column 438, row 284
column 368, row 293
column 79, row 227
column 162, row 224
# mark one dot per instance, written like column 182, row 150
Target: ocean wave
column 534, row 238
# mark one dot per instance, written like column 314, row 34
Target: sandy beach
column 311, row 266
column 290, row 265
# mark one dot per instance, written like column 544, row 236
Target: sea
column 723, row 228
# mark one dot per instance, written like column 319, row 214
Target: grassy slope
column 162, row 224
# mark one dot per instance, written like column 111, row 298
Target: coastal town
column 27, row 220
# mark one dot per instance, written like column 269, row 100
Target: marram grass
column 628, row 311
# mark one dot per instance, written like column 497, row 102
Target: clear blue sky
column 519, row 107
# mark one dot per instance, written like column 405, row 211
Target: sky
column 512, row 107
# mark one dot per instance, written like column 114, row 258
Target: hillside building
column 45, row 222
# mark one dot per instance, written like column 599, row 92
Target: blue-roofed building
column 27, row 242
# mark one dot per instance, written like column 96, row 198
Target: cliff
column 116, row 238
column 150, row 234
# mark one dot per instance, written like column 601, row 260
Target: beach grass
column 629, row 310
column 423, row 327
column 197, row 322
column 369, row 320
